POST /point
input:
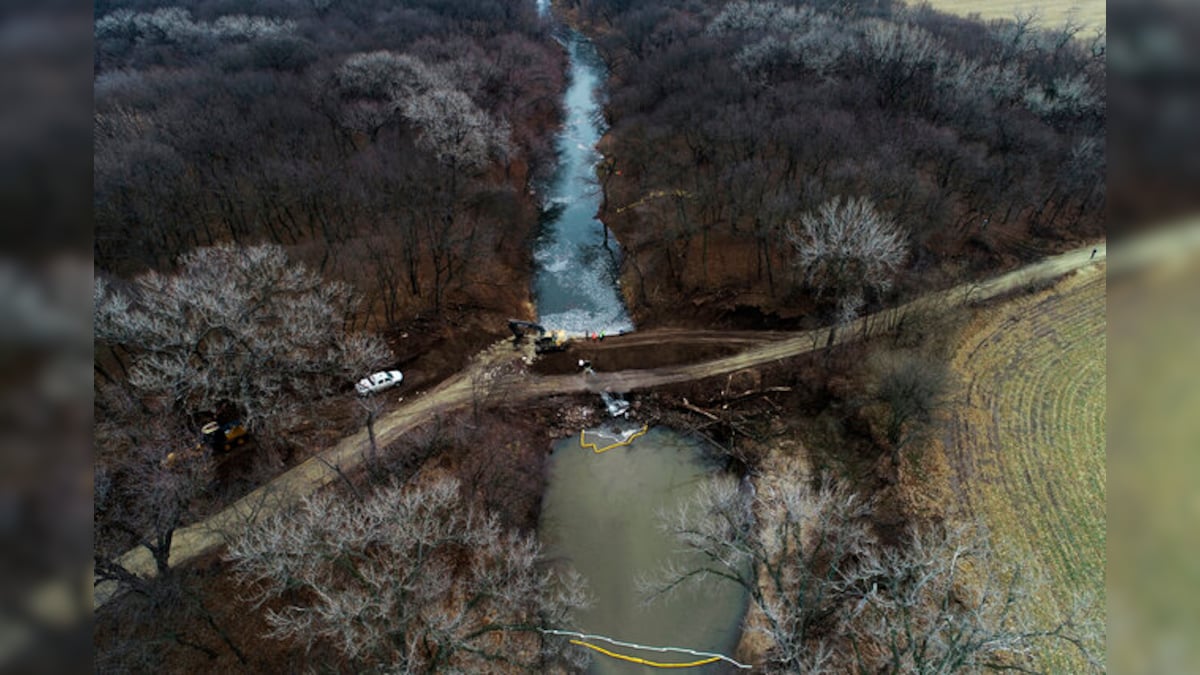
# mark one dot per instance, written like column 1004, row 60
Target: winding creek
column 600, row 510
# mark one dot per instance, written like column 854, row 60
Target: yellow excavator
column 215, row 438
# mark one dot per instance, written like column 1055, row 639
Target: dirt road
column 490, row 375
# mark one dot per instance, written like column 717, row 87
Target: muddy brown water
column 600, row 515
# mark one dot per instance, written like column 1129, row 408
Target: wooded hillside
column 983, row 141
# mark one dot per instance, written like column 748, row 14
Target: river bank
column 798, row 405
column 718, row 143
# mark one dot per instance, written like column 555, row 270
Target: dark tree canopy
column 236, row 326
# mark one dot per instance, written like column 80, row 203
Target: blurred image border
column 45, row 336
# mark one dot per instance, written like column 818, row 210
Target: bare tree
column 835, row 599
column 1068, row 96
column 759, row 17
column 176, row 25
column 455, row 130
column 411, row 578
column 847, row 248
column 240, row 327
column 786, row 36
column 899, row 56
column 371, row 88
column 141, row 500
column 942, row 603
column 462, row 138
column 793, row 547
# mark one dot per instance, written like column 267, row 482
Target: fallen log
column 700, row 411
column 688, row 405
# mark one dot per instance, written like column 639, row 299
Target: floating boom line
column 585, row 444
column 706, row 657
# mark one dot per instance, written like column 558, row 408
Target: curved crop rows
column 1028, row 440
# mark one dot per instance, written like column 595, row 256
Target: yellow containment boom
column 585, row 444
column 581, row 640
column 644, row 662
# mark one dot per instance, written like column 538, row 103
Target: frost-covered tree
column 965, row 85
column 412, row 579
column 371, row 88
column 385, row 76
column 792, row 546
column 376, row 88
column 235, row 326
column 759, row 17
column 833, row 598
column 175, row 25
column 899, row 55
column 1069, row 96
column 783, row 36
column 455, row 130
column 847, row 248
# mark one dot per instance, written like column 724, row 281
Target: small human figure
column 1093, row 253
column 602, row 336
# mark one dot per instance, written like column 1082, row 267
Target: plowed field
column 1028, row 438
column 1050, row 13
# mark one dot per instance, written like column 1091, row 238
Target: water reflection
column 600, row 514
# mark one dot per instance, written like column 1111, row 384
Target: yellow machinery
column 214, row 438
column 543, row 340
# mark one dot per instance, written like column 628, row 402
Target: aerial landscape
column 606, row 336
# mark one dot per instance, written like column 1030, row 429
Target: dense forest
column 273, row 189
column 982, row 142
column 287, row 196
column 290, row 194
column 354, row 134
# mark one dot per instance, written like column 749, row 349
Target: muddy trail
column 509, row 376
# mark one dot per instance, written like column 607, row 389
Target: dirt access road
column 495, row 375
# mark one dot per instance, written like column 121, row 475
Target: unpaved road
column 488, row 372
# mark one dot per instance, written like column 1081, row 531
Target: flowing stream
column 600, row 510
column 577, row 260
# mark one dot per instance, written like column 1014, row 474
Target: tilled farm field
column 1050, row 14
column 1027, row 439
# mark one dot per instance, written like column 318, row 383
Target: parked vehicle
column 377, row 382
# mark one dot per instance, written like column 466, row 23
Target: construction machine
column 543, row 340
column 215, row 439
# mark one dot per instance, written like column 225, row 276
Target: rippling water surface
column 576, row 284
